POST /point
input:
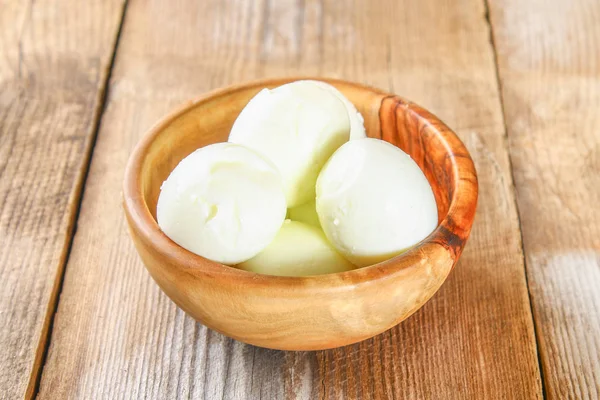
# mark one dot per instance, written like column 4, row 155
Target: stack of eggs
column 297, row 190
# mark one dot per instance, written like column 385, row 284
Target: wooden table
column 519, row 81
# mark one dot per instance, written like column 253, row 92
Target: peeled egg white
column 374, row 202
column 306, row 213
column 357, row 122
column 296, row 126
column 298, row 250
column 224, row 202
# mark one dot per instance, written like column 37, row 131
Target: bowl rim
column 141, row 220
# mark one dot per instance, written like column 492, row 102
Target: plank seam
column 512, row 181
column 100, row 108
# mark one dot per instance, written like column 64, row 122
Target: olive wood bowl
column 302, row 313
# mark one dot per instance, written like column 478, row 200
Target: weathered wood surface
column 54, row 59
column 549, row 64
column 117, row 336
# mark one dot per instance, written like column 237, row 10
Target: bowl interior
column 437, row 151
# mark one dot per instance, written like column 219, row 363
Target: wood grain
column 549, row 63
column 117, row 336
column 54, row 58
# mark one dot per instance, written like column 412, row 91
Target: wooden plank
column 117, row 336
column 549, row 64
column 54, row 59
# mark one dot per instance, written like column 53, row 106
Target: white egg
column 224, row 202
column 374, row 202
column 306, row 213
column 297, row 126
column 357, row 122
column 298, row 250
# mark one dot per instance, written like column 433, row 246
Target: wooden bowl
column 302, row 313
